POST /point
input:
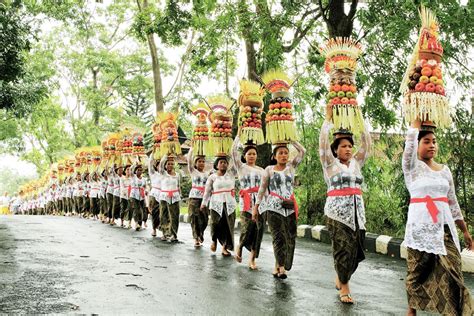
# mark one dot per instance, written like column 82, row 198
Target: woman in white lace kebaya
column 276, row 196
column 199, row 217
column 434, row 279
column 250, row 177
column 344, row 206
column 154, row 196
column 137, row 195
column 170, row 195
column 125, row 188
column 219, row 196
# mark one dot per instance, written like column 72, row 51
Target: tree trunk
column 95, row 110
column 155, row 64
column 249, row 42
column 339, row 23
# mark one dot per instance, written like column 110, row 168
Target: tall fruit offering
column 220, row 138
column 280, row 122
column 169, row 134
column 423, row 84
column 341, row 65
column 250, row 112
column 201, row 131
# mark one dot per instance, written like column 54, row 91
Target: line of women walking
column 434, row 278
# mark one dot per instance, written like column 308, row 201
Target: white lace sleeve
column 264, row 185
column 452, row 200
column 189, row 158
column 365, row 146
column 325, row 153
column 208, row 191
column 162, row 165
column 410, row 154
column 235, row 155
column 299, row 157
column 151, row 169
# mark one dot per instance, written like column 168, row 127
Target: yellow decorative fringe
column 167, row 148
column 251, row 135
column 276, row 74
column 281, row 131
column 427, row 106
column 219, row 145
column 157, row 153
column 200, row 147
column 348, row 117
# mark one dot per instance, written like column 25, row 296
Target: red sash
column 245, row 195
column 202, row 189
column 170, row 192
column 345, row 192
column 431, row 205
column 140, row 190
column 225, row 191
column 292, row 198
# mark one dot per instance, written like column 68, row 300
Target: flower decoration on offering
column 81, row 159
column 250, row 112
column 119, row 147
column 280, row 122
column 61, row 170
column 155, row 128
column 201, row 130
column 220, row 140
column 137, row 142
column 70, row 164
column 96, row 155
column 423, row 85
column 112, row 142
column 77, row 160
column 127, row 143
column 341, row 63
column 89, row 157
column 105, row 150
column 54, row 171
column 169, row 134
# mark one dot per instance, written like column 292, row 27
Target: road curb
column 380, row 244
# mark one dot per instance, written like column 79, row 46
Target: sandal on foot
column 226, row 254
column 350, row 301
column 238, row 258
column 213, row 247
column 253, row 267
column 282, row 276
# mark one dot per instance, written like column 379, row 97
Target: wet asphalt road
column 72, row 265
